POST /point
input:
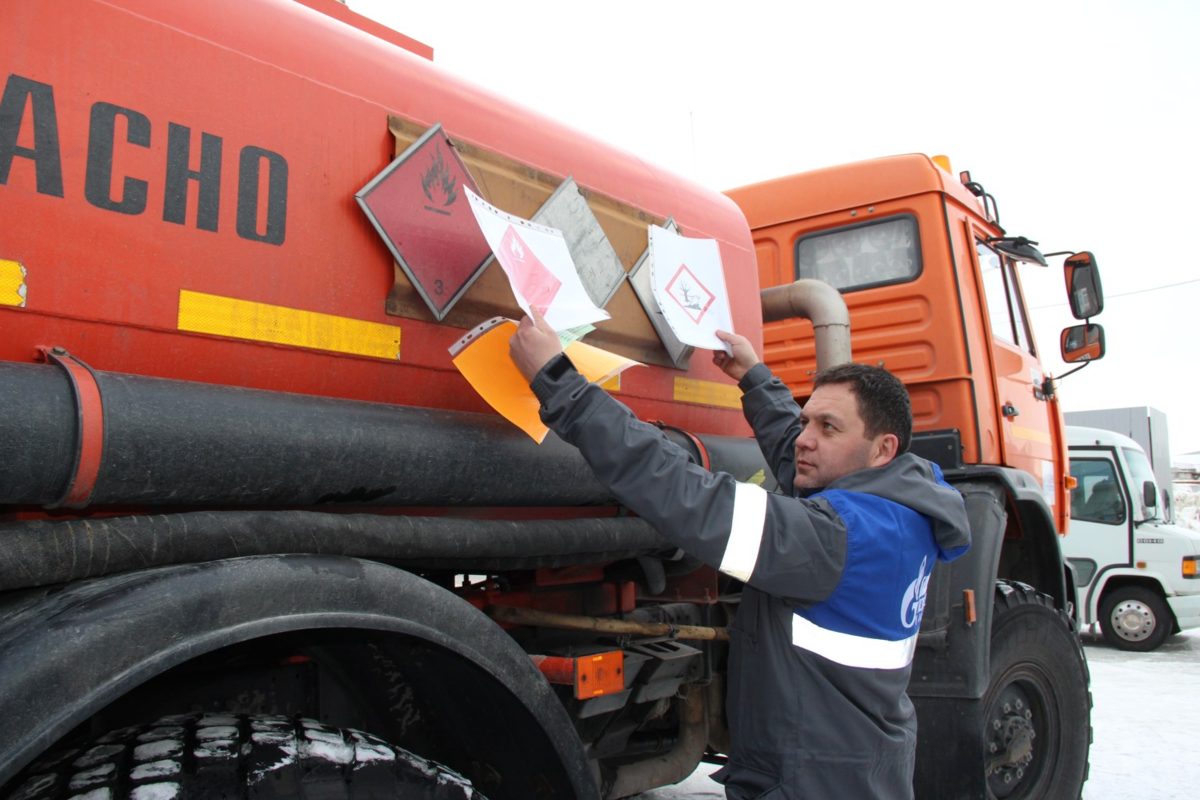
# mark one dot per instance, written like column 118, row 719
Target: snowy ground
column 1144, row 745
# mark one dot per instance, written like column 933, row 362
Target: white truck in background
column 1135, row 574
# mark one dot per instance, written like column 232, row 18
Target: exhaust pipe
column 818, row 301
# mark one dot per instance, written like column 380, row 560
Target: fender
column 69, row 653
column 952, row 658
column 952, row 665
column 1108, row 574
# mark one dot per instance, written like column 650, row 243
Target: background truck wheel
column 237, row 756
column 1135, row 618
column 1037, row 710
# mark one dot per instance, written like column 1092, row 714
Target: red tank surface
column 177, row 187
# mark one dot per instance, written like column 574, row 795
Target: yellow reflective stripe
column 745, row 531
column 1030, row 434
column 260, row 322
column 12, row 283
column 850, row 650
column 707, row 393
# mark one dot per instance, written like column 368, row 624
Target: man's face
column 833, row 441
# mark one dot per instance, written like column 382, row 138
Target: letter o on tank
column 249, row 166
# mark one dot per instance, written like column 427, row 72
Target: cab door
column 1100, row 537
column 1025, row 426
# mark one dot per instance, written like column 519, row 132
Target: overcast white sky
column 1079, row 117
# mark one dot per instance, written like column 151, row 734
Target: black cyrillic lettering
column 179, row 172
column 98, row 183
column 45, row 154
column 247, row 209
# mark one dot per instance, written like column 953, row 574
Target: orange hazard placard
column 482, row 357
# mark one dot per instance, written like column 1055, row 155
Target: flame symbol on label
column 437, row 182
column 517, row 250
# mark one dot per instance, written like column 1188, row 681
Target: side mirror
column 1083, row 285
column 1018, row 248
column 1149, row 494
column 1082, row 343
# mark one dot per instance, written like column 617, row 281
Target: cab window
column 1140, row 471
column 1097, row 495
column 1005, row 308
column 860, row 256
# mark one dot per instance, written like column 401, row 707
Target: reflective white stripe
column 745, row 531
column 851, row 650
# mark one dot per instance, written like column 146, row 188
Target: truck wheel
column 1135, row 618
column 237, row 756
column 1037, row 723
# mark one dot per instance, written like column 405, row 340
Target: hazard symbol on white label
column 687, row 290
column 689, row 272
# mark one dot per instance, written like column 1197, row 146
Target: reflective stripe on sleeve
column 745, row 531
column 850, row 650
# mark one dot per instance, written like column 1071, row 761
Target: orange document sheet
column 482, row 357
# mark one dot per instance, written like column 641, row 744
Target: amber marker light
column 591, row 676
column 1189, row 566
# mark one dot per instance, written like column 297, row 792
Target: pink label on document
column 536, row 284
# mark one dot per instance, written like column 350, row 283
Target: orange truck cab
column 257, row 532
column 931, row 290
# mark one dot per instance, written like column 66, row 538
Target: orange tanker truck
column 258, row 535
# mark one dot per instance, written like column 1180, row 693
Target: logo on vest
column 913, row 605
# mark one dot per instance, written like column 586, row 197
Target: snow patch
column 270, row 724
column 217, row 719
column 95, row 794
column 216, row 732
column 88, row 777
column 287, row 756
column 282, row 738
column 219, row 748
column 367, row 752
column 154, row 751
column 416, row 762
column 330, row 737
column 155, row 791
column 97, row 754
column 155, row 769
column 336, row 752
column 155, row 734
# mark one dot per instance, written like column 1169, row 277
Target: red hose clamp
column 89, row 409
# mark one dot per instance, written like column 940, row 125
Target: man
column 835, row 575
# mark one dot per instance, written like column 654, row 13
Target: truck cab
column 931, row 290
column 1134, row 573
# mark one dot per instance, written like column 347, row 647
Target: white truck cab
column 1135, row 575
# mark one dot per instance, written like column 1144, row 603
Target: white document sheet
column 689, row 285
column 538, row 265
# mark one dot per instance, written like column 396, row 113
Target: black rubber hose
column 177, row 443
column 40, row 553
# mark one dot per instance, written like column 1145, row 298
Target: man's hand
column 533, row 345
column 737, row 365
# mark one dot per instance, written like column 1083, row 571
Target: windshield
column 1140, row 471
column 862, row 255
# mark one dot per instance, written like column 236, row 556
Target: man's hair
column 883, row 401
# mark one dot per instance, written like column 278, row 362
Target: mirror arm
column 1049, row 383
